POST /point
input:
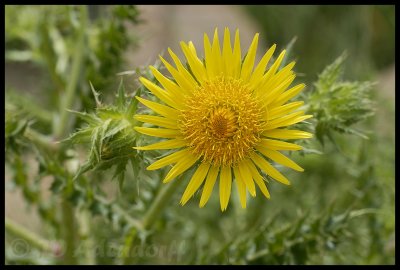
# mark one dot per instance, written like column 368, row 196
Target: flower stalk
column 67, row 101
column 160, row 202
column 30, row 237
column 150, row 217
column 61, row 129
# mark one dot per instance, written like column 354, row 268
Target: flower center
column 222, row 121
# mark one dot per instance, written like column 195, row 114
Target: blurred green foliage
column 325, row 31
column 340, row 210
column 46, row 36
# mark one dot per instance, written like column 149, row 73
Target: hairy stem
column 69, row 231
column 35, row 110
column 60, row 129
column 87, row 240
column 160, row 202
column 41, row 139
column 67, row 101
column 153, row 213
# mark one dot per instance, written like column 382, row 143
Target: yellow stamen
column 222, row 121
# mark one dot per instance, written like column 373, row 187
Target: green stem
column 67, row 101
column 150, row 217
column 41, row 139
column 60, row 130
column 69, row 231
column 89, row 257
column 30, row 237
column 133, row 222
column 26, row 104
column 160, row 203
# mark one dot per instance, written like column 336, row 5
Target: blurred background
column 355, row 172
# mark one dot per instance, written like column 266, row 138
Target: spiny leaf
column 95, row 94
column 79, row 136
column 331, row 73
column 338, row 105
column 119, row 173
column 116, row 127
column 110, row 135
column 121, row 96
column 90, row 118
column 82, row 169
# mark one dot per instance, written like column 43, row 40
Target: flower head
column 225, row 116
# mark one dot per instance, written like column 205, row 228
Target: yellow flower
column 224, row 116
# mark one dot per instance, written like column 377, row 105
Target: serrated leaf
column 119, row 173
column 80, row 136
column 337, row 105
column 109, row 113
column 90, row 118
column 116, row 127
column 82, row 169
column 331, row 73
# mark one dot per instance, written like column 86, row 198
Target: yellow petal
column 209, row 185
column 258, row 178
column 195, row 182
column 287, row 120
column 216, row 53
column 247, row 178
column 280, row 121
column 157, row 120
column 287, row 134
column 159, row 108
column 195, row 64
column 170, row 144
column 292, row 92
column 280, row 158
column 248, row 62
column 172, row 158
column 291, row 121
column 279, row 145
column 271, row 71
column 208, row 57
column 283, row 110
column 278, row 62
column 271, row 81
column 266, row 167
column 237, row 58
column 281, row 75
column 159, row 132
column 179, row 78
column 175, row 91
column 160, row 93
column 189, row 82
column 183, row 164
column 273, row 92
column 192, row 49
column 227, row 54
column 241, row 187
column 225, row 183
column 256, row 77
